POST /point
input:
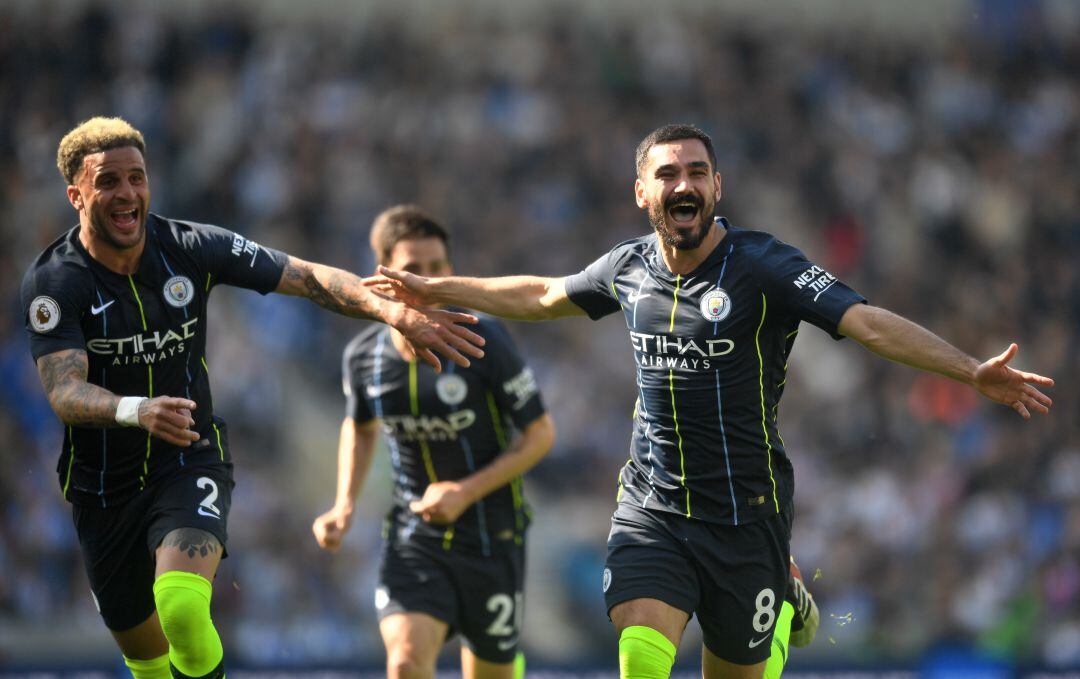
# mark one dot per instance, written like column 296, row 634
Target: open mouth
column 125, row 220
column 684, row 210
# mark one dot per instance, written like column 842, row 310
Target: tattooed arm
column 344, row 293
column 81, row 404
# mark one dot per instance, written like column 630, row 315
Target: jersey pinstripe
column 441, row 427
column 710, row 352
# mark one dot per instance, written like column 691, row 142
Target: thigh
column 199, row 498
column 414, row 578
column 652, row 613
column 647, row 559
column 118, row 565
column 744, row 577
column 491, row 591
column 417, row 637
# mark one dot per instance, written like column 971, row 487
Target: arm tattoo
column 76, row 401
column 343, row 293
column 192, row 541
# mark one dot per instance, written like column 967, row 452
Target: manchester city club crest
column 44, row 314
column 179, row 291
column 451, row 389
column 715, row 305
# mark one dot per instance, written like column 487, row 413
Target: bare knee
column 404, row 662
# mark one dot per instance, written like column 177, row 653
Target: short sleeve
column 592, row 290
column 232, row 259
column 512, row 382
column 52, row 300
column 356, row 404
column 806, row 290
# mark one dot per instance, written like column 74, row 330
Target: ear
column 716, row 181
column 639, row 194
column 74, row 197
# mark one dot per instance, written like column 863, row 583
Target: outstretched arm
column 521, row 298
column 344, row 293
column 445, row 501
column 898, row 339
column 356, row 447
column 81, row 404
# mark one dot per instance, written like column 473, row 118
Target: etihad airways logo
column 428, row 427
column 146, row 348
column 666, row 351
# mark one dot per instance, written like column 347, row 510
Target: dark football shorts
column 482, row 598
column 732, row 577
column 118, row 543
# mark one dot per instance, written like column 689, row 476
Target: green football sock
column 775, row 666
column 183, row 605
column 158, row 668
column 519, row 666
column 644, row 653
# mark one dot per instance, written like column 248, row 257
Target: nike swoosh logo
column 755, row 644
column 633, row 297
column 98, row 309
column 507, row 645
column 210, row 514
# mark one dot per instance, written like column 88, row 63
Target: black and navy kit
column 144, row 335
column 445, row 426
column 710, row 351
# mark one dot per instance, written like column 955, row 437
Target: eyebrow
column 695, row 164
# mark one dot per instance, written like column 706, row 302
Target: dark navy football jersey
column 444, row 427
column 710, row 352
column 144, row 335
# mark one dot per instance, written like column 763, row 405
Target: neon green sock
column 183, row 605
column 644, row 653
column 519, row 666
column 775, row 666
column 158, row 668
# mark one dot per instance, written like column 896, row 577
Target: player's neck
column 682, row 262
column 122, row 261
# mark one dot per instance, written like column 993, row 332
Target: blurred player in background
column 116, row 314
column 703, row 523
column 454, row 556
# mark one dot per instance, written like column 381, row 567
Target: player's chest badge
column 179, row 291
column 451, row 389
column 715, row 305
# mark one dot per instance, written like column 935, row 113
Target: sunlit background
column 926, row 152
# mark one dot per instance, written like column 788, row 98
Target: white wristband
column 127, row 411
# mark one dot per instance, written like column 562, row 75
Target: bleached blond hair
column 94, row 136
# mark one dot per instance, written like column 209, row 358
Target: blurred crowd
column 940, row 179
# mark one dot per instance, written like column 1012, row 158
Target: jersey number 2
column 207, row 506
column 505, row 609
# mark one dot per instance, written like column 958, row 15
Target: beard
column 681, row 238
column 100, row 227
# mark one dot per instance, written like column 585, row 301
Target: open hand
column 401, row 285
column 998, row 382
column 430, row 330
